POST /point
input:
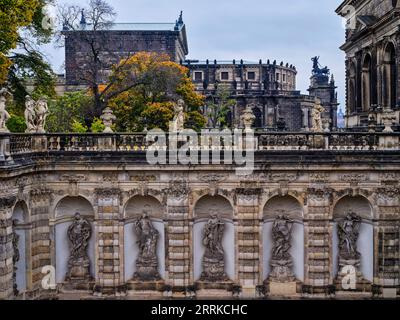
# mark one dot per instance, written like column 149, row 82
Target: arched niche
column 365, row 243
column 135, row 205
column 290, row 207
column 21, row 227
column 389, row 79
column 258, row 121
column 366, row 82
column 64, row 215
column 134, row 209
column 202, row 212
column 352, row 88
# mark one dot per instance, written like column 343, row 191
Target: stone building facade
column 372, row 61
column 87, row 215
column 119, row 41
column 269, row 88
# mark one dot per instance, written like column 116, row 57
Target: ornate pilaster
column 6, row 247
column 178, row 238
column 109, row 236
column 318, row 235
column 40, row 200
column 248, row 235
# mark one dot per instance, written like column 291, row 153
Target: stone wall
column 313, row 193
column 116, row 45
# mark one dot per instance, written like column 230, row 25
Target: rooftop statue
column 317, row 68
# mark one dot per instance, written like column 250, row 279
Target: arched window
column 389, row 88
column 366, row 83
column 258, row 121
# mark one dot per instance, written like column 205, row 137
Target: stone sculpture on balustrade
column 247, row 118
column 79, row 233
column 35, row 115
column 178, row 124
column 316, row 116
column 213, row 259
column 108, row 119
column 4, row 115
column 147, row 261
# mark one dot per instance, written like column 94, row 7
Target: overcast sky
column 292, row 31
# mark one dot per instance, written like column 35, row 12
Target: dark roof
column 135, row 26
column 367, row 20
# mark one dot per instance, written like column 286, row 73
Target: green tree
column 24, row 26
column 66, row 110
column 149, row 102
column 97, row 125
column 98, row 15
column 218, row 109
column 78, row 127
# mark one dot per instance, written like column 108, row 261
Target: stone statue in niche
column 213, row 259
column 281, row 261
column 16, row 257
column 79, row 233
column 146, row 262
column 348, row 232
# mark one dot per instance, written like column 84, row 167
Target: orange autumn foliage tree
column 149, row 103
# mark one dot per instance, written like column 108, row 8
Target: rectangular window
column 224, row 75
column 198, row 76
column 277, row 77
column 284, row 77
column 251, row 75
